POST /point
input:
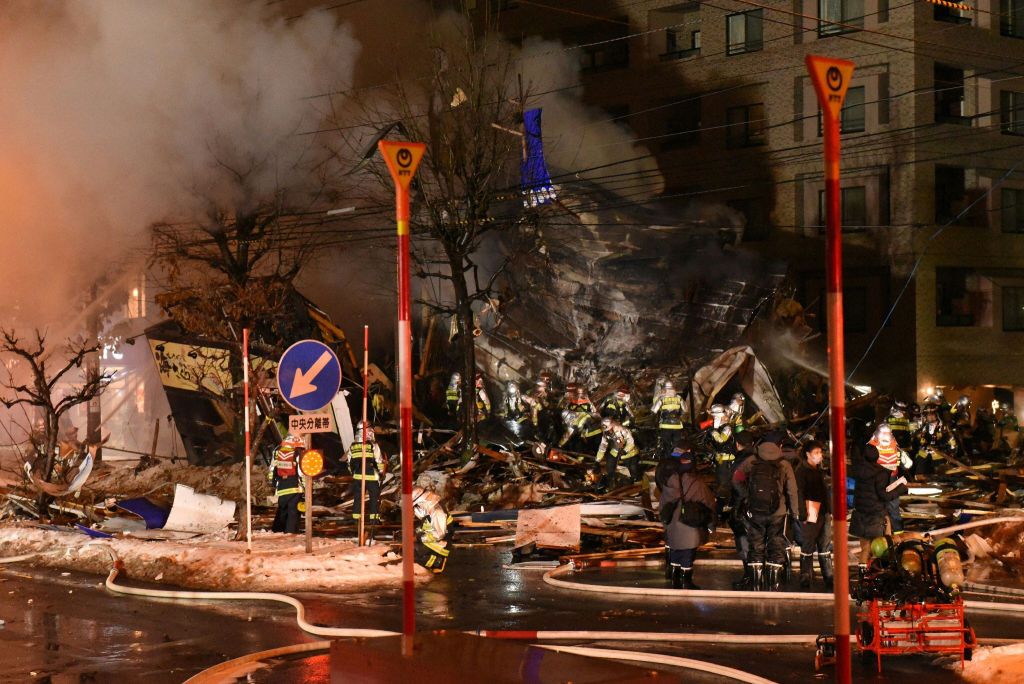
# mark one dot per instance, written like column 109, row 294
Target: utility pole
column 831, row 78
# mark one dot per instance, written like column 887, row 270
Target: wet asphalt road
column 68, row 628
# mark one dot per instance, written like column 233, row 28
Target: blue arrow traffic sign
column 308, row 375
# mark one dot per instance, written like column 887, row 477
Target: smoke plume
column 120, row 113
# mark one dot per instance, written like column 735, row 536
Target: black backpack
column 763, row 487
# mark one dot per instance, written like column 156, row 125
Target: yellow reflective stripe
column 369, row 477
column 439, row 550
column 290, row 490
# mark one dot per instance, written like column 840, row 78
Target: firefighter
column 723, row 441
column 932, row 440
column 618, row 446
column 545, row 411
column 899, row 423
column 668, row 407
column 616, row 406
column 1008, row 426
column 961, row 414
column 517, row 410
column 736, row 408
column 284, row 477
column 433, row 531
column 366, row 454
column 581, row 402
column 581, row 424
column 453, row 395
column 515, row 407
column 483, row 401
column 984, row 429
column 915, row 419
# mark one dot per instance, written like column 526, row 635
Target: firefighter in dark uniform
column 723, row 441
column 368, row 453
column 668, row 407
column 617, row 446
column 433, row 531
column 453, row 395
column 284, row 477
column 899, row 423
column 616, row 406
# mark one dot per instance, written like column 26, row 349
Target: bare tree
column 31, row 383
column 466, row 105
column 235, row 268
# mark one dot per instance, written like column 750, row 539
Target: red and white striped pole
column 366, row 392
column 248, row 442
column 402, row 160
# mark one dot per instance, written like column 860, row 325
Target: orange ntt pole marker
column 402, row 159
column 831, row 78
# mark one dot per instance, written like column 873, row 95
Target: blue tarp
column 93, row 533
column 154, row 516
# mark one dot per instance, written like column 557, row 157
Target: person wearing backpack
column 687, row 511
column 768, row 486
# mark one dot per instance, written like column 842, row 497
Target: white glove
column 906, row 461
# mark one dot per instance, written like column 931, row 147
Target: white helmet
column 512, row 388
column 359, row 432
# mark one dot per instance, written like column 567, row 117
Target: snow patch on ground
column 999, row 665
column 278, row 562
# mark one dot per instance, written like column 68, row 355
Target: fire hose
column 214, row 673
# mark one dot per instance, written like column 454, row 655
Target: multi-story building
column 931, row 193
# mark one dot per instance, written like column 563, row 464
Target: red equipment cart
column 889, row 628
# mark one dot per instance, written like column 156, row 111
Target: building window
column 1011, row 18
column 1011, row 112
column 682, row 29
column 852, row 118
column 745, row 126
column 949, row 95
column 136, row 307
column 682, row 127
column 953, row 198
column 954, row 15
column 1013, row 308
column 854, row 208
column 744, row 32
column 840, row 16
column 606, row 47
column 755, row 219
column 963, row 298
column 1012, row 210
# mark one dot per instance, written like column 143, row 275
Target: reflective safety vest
column 725, row 444
column 619, row 444
column 284, row 474
column 617, row 410
column 898, row 424
column 670, row 413
column 428, row 539
column 453, row 396
column 580, row 423
column 359, row 451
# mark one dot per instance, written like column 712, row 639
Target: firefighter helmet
column 293, row 442
column 359, row 432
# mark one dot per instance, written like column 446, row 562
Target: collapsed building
column 620, row 293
